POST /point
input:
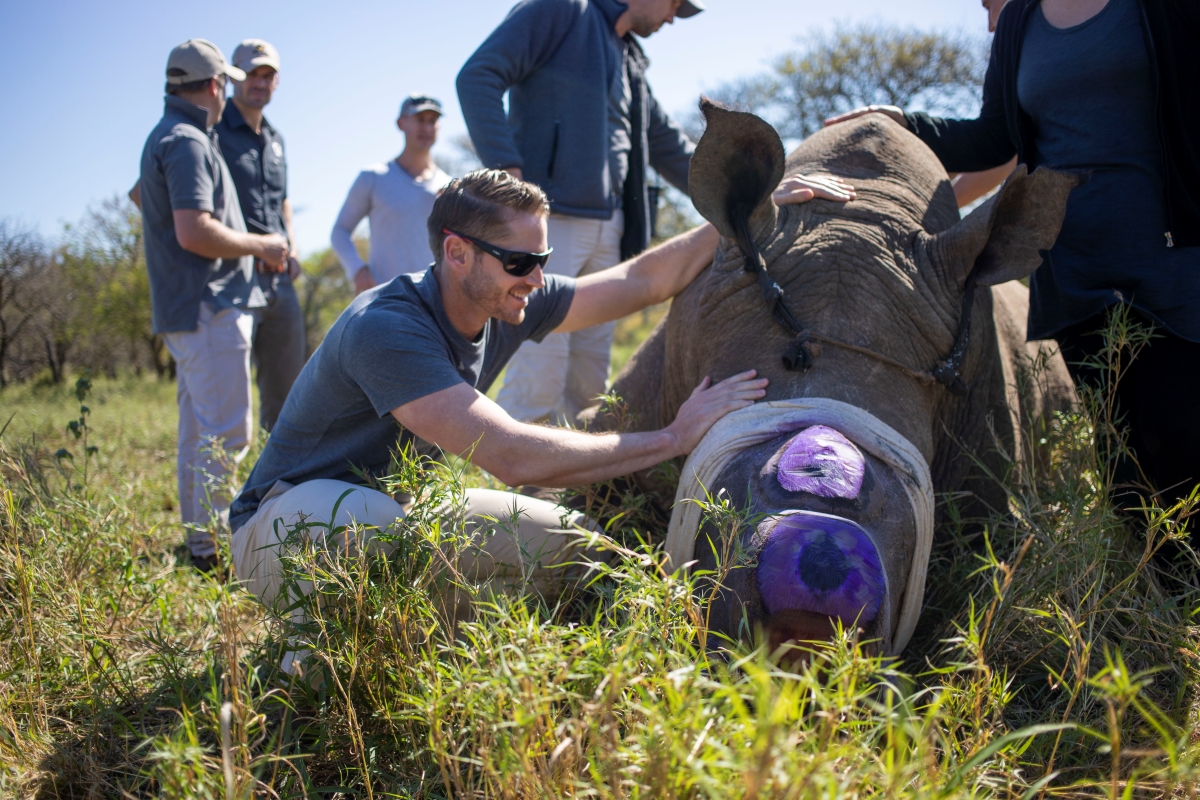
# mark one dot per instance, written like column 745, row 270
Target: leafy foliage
column 84, row 302
column 862, row 65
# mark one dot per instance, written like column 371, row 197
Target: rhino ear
column 1003, row 239
column 735, row 169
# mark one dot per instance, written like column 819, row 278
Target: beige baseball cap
column 253, row 53
column 198, row 60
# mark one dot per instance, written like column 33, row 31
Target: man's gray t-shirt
column 394, row 344
column 182, row 168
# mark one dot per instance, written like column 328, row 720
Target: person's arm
column 356, row 207
column 970, row 186
column 662, row 272
column 188, row 170
column 135, row 194
column 462, row 421
column 523, row 43
column 644, row 280
column 200, row 233
column 670, row 148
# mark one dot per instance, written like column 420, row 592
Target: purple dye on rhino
column 822, row 564
column 821, row 461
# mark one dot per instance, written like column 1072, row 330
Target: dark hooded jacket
column 556, row 59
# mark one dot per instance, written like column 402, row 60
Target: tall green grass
column 1057, row 655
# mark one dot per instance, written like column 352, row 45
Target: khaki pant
column 213, row 393
column 528, row 554
column 563, row 374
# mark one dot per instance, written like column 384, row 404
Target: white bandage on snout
column 762, row 422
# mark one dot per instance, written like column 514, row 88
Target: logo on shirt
column 277, row 149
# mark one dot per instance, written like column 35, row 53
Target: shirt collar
column 233, row 118
column 189, row 111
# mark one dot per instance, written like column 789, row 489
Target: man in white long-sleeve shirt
column 396, row 198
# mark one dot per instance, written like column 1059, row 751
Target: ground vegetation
column 1057, row 655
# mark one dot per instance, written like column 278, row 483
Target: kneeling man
column 414, row 356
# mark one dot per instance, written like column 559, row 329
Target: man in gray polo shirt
column 396, row 198
column 202, row 288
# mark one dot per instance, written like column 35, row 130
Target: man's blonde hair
column 481, row 204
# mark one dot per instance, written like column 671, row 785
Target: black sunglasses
column 515, row 262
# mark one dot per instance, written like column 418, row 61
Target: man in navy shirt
column 254, row 151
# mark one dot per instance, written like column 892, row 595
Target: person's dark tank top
column 1090, row 91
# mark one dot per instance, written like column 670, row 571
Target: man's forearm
column 202, row 234
column 462, row 421
column 287, row 225
column 481, row 91
column 671, row 267
column 342, row 241
column 552, row 457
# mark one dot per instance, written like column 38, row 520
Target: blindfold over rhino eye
column 515, row 262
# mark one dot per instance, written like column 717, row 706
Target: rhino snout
column 815, row 570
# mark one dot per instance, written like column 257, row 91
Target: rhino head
column 835, row 532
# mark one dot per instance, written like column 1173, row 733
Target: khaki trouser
column 213, row 393
column 545, row 536
column 563, row 374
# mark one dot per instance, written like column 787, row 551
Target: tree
column 23, row 258
column 107, row 322
column 324, row 292
column 861, row 65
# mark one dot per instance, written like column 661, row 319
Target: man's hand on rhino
column 802, row 188
column 890, row 111
column 708, row 403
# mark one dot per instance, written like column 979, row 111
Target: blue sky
column 84, row 81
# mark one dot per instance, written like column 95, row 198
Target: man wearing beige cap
column 254, row 152
column 202, row 288
column 396, row 199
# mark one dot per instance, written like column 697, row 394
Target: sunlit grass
column 1056, row 654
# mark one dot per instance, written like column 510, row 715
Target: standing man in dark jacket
column 584, row 126
column 254, row 151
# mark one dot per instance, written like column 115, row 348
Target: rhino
column 893, row 335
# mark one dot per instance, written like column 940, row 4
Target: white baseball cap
column 252, row 53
